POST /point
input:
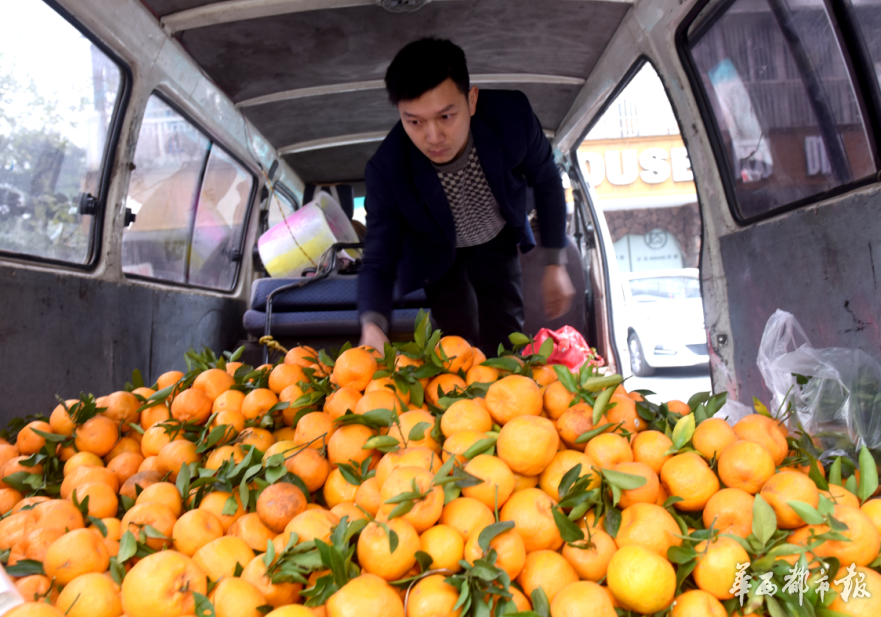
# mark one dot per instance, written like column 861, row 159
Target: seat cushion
column 336, row 293
column 321, row 323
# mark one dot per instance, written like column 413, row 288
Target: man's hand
column 373, row 336
column 557, row 290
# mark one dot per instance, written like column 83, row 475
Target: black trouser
column 480, row 297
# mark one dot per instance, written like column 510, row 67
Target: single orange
column 276, row 594
column 337, row 489
column 527, row 444
column 278, row 504
column 481, row 374
column 717, row 564
column 787, row 486
column 466, row 515
column 509, row 547
column 433, row 596
column 236, row 597
column 513, row 396
column 712, row 436
column 345, row 445
column 563, row 461
column 547, row 570
column 459, row 443
column 310, row 466
column 343, row 400
column 763, row 431
column 745, row 465
column 446, row 547
column 641, row 580
column 647, row 493
column 122, row 408
column 365, row 596
column 730, row 511
column 176, row 454
column 285, row 375
column 582, row 599
column 649, row 526
column 218, row 558
column 530, row 510
column 368, row 496
column 590, row 558
column 557, row 399
column 426, row 511
column 90, row 595
column 257, row 403
column 442, row 385
column 576, row 421
column 163, row 584
column 165, row 493
column 29, row 442
column 608, row 450
column 465, row 414
column 697, row 603
column 191, row 405
column 75, row 553
column 650, row 447
column 194, row 530
column 97, row 435
column 252, row 531
column 498, row 480
column 215, row 503
column 455, row 353
column 624, row 413
column 688, row 476
column 374, row 552
column 354, row 368
column 60, row 419
column 168, row 379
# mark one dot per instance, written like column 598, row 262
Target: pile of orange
column 150, row 542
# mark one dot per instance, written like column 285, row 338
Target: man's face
column 438, row 122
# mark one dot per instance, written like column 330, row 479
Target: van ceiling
column 298, row 74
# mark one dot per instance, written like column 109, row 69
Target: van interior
column 130, row 218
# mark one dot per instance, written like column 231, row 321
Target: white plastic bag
column 839, row 404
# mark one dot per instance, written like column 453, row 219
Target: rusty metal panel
column 64, row 334
column 821, row 264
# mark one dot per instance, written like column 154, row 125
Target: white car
column 665, row 320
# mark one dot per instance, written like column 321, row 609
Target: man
column 447, row 203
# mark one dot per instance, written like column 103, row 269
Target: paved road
column 673, row 383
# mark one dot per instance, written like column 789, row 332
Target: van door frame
column 614, row 293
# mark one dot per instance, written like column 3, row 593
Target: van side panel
column 59, row 329
column 822, row 264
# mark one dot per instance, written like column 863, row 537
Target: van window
column 56, row 115
column 162, row 193
column 280, row 207
column 785, row 107
column 220, row 218
column 190, row 202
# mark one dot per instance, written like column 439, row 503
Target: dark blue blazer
column 411, row 237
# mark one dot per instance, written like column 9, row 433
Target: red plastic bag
column 570, row 348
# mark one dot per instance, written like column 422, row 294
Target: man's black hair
column 423, row 65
